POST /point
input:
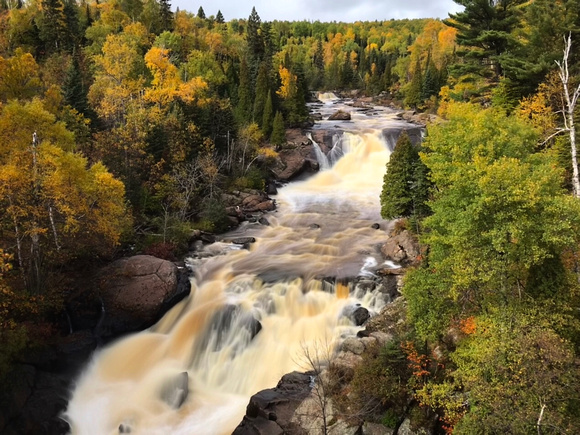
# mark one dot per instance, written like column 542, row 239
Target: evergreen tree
column 278, row 137
column 254, row 38
column 74, row 91
column 346, row 73
column 219, row 18
column 201, row 13
column 267, row 118
column 262, row 91
column 405, row 185
column 52, row 25
column 413, row 97
column 165, row 16
column 245, row 101
column 266, row 34
column 486, row 26
column 430, row 81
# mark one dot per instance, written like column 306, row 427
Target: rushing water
column 294, row 281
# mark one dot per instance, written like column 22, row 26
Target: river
column 298, row 281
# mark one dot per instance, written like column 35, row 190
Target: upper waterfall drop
column 327, row 97
column 251, row 314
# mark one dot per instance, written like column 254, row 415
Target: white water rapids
column 293, row 280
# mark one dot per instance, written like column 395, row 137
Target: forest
column 122, row 122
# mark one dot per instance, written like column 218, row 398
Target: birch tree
column 570, row 98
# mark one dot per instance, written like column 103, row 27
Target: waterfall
column 251, row 313
column 321, row 158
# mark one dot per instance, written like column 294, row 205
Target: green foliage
column 268, row 117
column 515, row 366
column 414, row 93
column 405, row 185
column 379, row 385
column 245, row 100
column 278, row 137
column 215, row 216
column 498, row 213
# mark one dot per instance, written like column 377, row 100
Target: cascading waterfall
column 251, row 314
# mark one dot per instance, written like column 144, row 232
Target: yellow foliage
column 268, row 153
column 536, row 109
column 167, row 85
column 288, row 87
column 18, row 76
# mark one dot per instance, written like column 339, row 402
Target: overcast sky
column 323, row 10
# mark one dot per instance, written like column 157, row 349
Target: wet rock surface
column 270, row 411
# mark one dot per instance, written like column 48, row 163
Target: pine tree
column 219, row 18
column 487, row 26
column 201, row 13
column 413, row 97
column 278, row 137
column 267, row 118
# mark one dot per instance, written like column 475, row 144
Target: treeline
column 492, row 338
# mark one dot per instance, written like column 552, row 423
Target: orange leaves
column 468, row 326
column 418, row 363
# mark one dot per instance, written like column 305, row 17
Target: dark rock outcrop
column 360, row 316
column 270, row 411
column 137, row 291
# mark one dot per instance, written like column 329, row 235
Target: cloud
column 324, row 10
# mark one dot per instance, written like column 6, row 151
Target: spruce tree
column 219, row 18
column 405, row 186
column 245, row 101
column 74, row 90
column 262, row 91
column 278, row 137
column 165, row 16
column 201, row 13
column 52, row 26
column 268, row 116
column 413, row 97
column 430, row 80
column 254, row 38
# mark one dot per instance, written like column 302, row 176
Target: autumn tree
column 499, row 214
column 19, row 76
column 57, row 206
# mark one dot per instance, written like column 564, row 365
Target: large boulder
column 340, row 115
column 137, row 291
column 402, row 248
column 270, row 411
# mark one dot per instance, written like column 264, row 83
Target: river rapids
column 252, row 314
